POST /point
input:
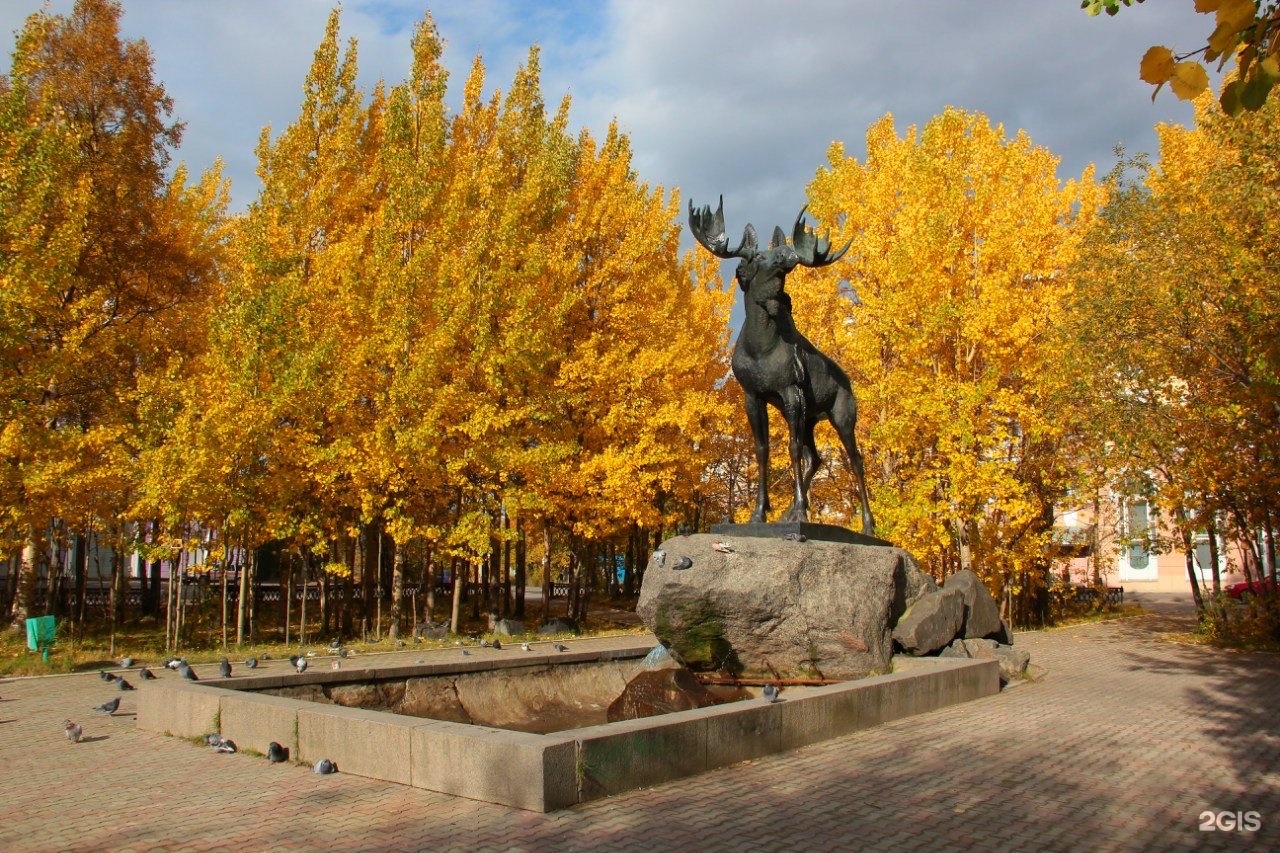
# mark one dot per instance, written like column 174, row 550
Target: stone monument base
column 776, row 607
column 798, row 530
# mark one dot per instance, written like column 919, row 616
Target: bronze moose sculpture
column 777, row 366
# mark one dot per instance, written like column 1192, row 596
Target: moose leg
column 758, row 418
column 794, row 409
column 844, row 418
column 811, row 461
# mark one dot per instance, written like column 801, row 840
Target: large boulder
column 981, row 613
column 932, row 622
column 772, row 606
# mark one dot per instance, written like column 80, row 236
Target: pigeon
column 560, row 647
column 484, row 644
column 342, row 653
column 226, row 745
column 400, row 643
column 682, row 564
column 311, row 654
column 124, row 685
column 301, row 665
column 224, row 668
column 126, row 662
column 497, row 644
column 147, row 675
column 276, row 753
column 722, row 547
column 251, row 663
column 325, row 766
column 795, row 537
column 334, row 644
column 175, row 663
column 73, row 731
column 465, row 653
column 106, row 676
column 770, row 693
column 526, row 646
column 660, row 557
column 108, row 707
column 187, row 672
column 213, row 739
column 293, row 660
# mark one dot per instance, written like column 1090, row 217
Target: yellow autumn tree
column 130, row 256
column 1177, row 317
column 942, row 312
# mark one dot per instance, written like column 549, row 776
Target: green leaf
column 1254, row 94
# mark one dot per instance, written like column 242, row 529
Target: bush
column 1250, row 623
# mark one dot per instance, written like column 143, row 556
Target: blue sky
column 740, row 97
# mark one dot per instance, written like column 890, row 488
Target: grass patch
column 145, row 644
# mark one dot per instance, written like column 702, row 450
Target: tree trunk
column 397, row 590
column 522, row 575
column 81, row 571
column 1213, row 557
column 53, row 600
column 1188, row 549
column 302, row 618
column 119, row 586
column 225, row 567
column 455, row 615
column 428, row 580
column 24, row 598
column 287, row 589
column 242, row 595
column 506, row 565
column 546, row 571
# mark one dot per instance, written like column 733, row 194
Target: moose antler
column 708, row 229
column 812, row 250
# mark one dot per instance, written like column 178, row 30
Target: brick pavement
column 1120, row 744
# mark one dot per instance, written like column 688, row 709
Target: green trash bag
column 41, row 632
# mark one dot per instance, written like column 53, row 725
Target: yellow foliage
column 955, row 278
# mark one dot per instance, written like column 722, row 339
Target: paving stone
column 1120, row 740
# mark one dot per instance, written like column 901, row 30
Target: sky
column 740, row 98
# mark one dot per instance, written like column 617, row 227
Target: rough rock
column 557, row 626
column 659, row 691
column 356, row 695
column 955, row 650
column 981, row 613
column 306, row 692
column 543, row 699
column 932, row 622
column 433, row 697
column 1013, row 662
column 508, row 628
column 768, row 604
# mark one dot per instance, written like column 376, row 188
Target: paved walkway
column 1122, row 743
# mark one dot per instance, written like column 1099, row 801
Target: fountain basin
column 540, row 772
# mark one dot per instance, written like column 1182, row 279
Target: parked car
column 1243, row 589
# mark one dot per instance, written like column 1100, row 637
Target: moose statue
column 777, row 366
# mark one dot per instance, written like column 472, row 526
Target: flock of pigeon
column 275, row 752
